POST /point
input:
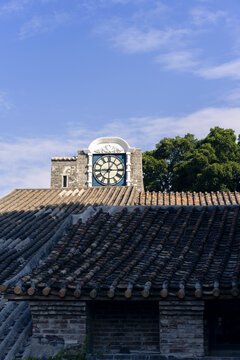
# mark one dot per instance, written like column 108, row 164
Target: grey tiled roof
column 143, row 251
column 188, row 198
column 32, row 219
column 33, row 223
column 15, row 329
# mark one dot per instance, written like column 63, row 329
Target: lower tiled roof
column 15, row 329
column 143, row 251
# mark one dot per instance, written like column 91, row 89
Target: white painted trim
column 89, row 170
column 128, row 168
column 121, row 144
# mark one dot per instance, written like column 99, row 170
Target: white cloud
column 136, row 40
column 229, row 69
column 174, row 44
column 203, row 16
column 133, row 40
column 48, row 1
column 40, row 24
column 5, row 103
column 154, row 11
column 233, row 97
column 93, row 5
column 28, row 159
column 25, row 177
column 179, row 60
column 122, row 2
column 13, row 6
column 145, row 132
column 201, row 121
column 189, row 61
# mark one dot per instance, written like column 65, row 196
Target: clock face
column 109, row 170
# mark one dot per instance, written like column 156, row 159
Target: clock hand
column 111, row 166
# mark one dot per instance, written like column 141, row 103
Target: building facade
column 150, row 276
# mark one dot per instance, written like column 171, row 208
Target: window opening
column 65, row 181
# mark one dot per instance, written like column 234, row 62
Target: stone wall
column 76, row 171
column 136, row 170
column 181, row 327
column 64, row 167
column 57, row 324
column 82, row 161
column 124, row 327
column 156, row 330
column 148, row 356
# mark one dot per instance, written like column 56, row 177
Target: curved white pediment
column 113, row 145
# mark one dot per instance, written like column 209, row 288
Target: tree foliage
column 188, row 164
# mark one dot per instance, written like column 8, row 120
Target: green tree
column 188, row 164
column 155, row 171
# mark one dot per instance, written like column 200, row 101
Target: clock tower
column 108, row 161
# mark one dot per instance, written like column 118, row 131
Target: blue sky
column 74, row 70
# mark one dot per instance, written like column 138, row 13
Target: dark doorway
column 124, row 327
column 223, row 327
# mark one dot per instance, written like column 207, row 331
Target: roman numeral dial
column 109, row 170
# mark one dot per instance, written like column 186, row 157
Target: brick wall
column 122, row 327
column 181, row 328
column 173, row 329
column 56, row 325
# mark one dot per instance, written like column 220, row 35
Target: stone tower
column 108, row 161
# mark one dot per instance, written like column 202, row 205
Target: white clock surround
column 106, row 145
